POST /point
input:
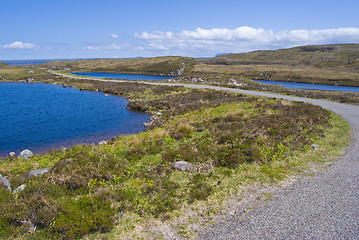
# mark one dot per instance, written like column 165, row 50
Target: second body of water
column 296, row 85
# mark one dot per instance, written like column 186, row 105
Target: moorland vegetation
column 108, row 190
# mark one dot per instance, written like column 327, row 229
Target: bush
column 82, row 216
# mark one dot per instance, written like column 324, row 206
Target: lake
column 122, row 76
column 297, row 85
column 41, row 116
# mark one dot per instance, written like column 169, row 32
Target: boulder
column 4, row 182
column 102, row 143
column 183, row 166
column 12, row 154
column 36, row 172
column 20, row 188
column 26, row 154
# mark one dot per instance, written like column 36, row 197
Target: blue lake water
column 122, row 76
column 296, row 85
column 40, row 117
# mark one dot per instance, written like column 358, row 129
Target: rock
column 102, row 143
column 26, row 154
column 4, row 182
column 314, row 146
column 20, row 188
column 36, row 172
column 31, row 72
column 12, row 154
column 183, row 166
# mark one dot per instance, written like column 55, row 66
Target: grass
column 14, row 72
column 306, row 74
column 113, row 190
column 244, row 187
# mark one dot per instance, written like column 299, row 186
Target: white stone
column 26, row 154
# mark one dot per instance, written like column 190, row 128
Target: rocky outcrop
column 26, row 154
column 183, row 166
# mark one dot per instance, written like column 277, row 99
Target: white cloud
column 210, row 41
column 114, row 36
column 112, row 46
column 20, row 45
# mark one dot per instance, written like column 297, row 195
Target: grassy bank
column 115, row 189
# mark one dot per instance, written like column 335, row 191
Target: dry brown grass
column 283, row 73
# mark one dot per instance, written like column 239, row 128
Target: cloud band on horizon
column 243, row 39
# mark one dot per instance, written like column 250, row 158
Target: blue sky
column 54, row 29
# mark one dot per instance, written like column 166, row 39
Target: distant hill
column 157, row 65
column 343, row 57
column 326, row 64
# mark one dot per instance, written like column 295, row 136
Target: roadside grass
column 234, row 188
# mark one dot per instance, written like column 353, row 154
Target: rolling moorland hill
column 326, row 64
column 341, row 57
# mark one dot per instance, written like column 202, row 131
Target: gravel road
column 325, row 206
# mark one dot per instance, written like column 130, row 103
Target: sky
column 54, row 29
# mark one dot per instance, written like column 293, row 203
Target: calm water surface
column 122, row 76
column 41, row 116
column 311, row 86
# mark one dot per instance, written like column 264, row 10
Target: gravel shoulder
column 325, row 206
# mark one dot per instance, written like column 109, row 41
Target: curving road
column 325, row 206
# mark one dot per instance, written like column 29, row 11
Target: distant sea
column 40, row 61
column 37, row 61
